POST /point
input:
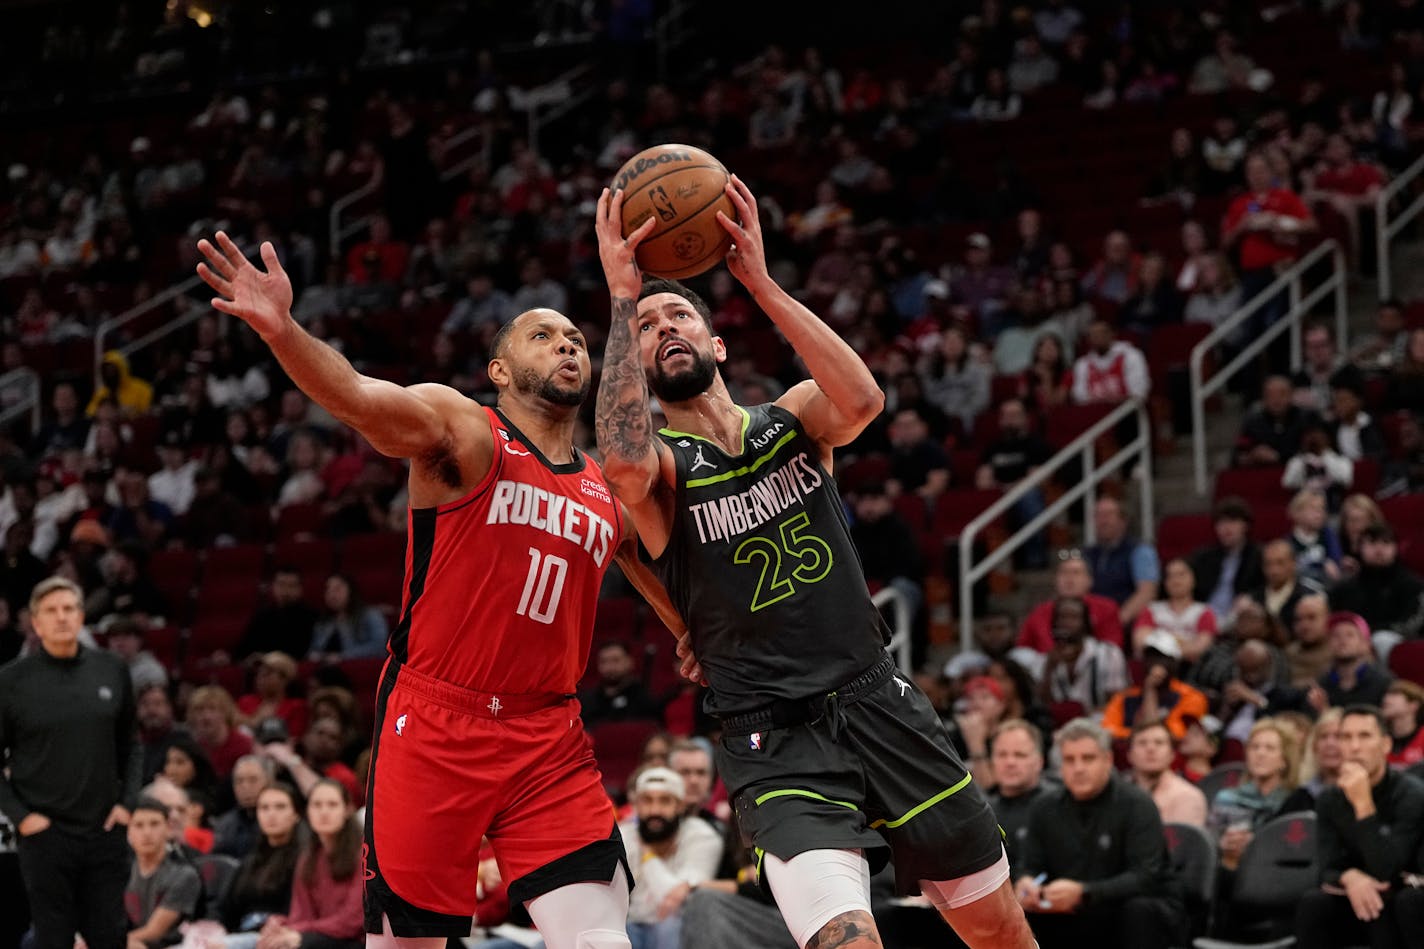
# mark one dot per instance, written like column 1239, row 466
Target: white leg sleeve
column 815, row 887
column 584, row 915
column 952, row 894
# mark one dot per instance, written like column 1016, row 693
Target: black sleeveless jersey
column 761, row 566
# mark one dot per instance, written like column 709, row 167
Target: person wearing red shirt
column 1344, row 183
column 1072, row 581
column 328, row 884
column 212, row 717
column 269, row 698
column 379, row 259
column 1264, row 226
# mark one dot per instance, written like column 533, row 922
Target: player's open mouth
column 569, row 367
column 673, row 347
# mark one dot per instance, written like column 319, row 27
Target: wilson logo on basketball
column 643, row 164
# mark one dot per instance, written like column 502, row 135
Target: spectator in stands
column 1124, row 569
column 619, row 695
column 888, row 548
column 154, row 711
column 235, row 832
column 1150, row 753
column 955, row 381
column 1402, row 702
column 349, row 629
column 327, row 884
column 1314, row 545
column 1369, row 826
column 1231, row 566
column 1189, row 620
column 286, row 623
column 483, row 303
column 1073, row 580
column 1224, row 69
column 1016, row 758
column 1044, row 384
column 1111, row 371
column 126, row 641
column 379, row 259
column 984, row 708
column 536, row 289
column 1404, row 391
column 1014, row 454
column 215, row 516
column 1308, row 652
column 67, row 428
column 1162, row 697
column 670, row 857
column 1320, row 470
column 20, row 570
column 1344, row 182
column 830, row 213
column 235, row 380
column 173, row 483
column 1353, row 678
column 1322, row 361
column 1155, row 303
column 1284, row 587
column 1379, row 353
column 1118, row 894
column 1320, row 763
column 1352, row 432
column 320, row 757
column 1031, row 68
column 1264, row 227
column 303, row 484
column 692, row 760
column 1080, row 667
column 1181, row 179
column 1384, row 591
column 1114, row 278
column 138, row 518
column 1257, row 691
column 1272, row 771
column 1271, row 433
column 212, row 718
column 186, row 764
column 272, row 678
column 1248, row 621
column 184, row 834
column 998, row 102
column 127, row 589
column 918, row 463
column 163, row 889
column 262, row 886
column 133, row 396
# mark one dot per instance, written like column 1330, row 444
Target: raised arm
column 841, row 397
column 623, row 420
column 399, row 422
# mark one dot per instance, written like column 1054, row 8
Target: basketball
column 683, row 186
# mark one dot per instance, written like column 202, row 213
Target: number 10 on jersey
column 543, row 587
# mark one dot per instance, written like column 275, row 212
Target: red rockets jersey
column 501, row 586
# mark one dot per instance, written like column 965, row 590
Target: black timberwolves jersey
column 761, row 566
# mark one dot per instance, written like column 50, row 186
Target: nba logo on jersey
column 400, row 725
column 754, row 739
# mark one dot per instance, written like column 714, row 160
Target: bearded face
column 656, row 829
column 528, row 382
column 680, row 372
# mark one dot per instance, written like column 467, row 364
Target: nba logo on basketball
column 662, row 203
column 754, row 739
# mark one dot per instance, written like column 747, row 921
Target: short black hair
column 1232, row 509
column 655, row 285
column 618, row 644
column 1380, row 532
column 501, row 338
column 147, row 803
column 1372, row 711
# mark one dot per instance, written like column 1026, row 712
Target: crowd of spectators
column 189, row 480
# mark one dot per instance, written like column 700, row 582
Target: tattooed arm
column 637, row 465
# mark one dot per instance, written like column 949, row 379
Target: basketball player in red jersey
column 476, row 729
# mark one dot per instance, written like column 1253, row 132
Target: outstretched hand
column 747, row 259
column 261, row 300
column 620, row 264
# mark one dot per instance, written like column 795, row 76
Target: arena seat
column 1278, row 865
column 1406, row 661
column 1192, row 854
column 1178, row 535
column 1222, row 776
column 616, row 746
column 1258, row 487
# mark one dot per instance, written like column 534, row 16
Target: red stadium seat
column 1178, row 535
column 1064, row 423
column 617, row 746
column 955, row 509
column 384, row 549
column 315, row 555
column 1407, row 661
column 1256, row 486
column 238, row 561
column 300, row 521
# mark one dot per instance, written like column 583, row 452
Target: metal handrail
column 900, row 637
column 340, row 232
column 559, row 93
column 1300, row 306
column 1081, row 449
column 1386, row 230
column 451, row 172
column 30, row 403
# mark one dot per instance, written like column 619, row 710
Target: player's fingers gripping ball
column 683, row 188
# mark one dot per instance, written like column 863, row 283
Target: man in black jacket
column 1093, row 868
column 1385, row 592
column 1370, row 826
column 1016, row 751
column 1232, row 565
column 68, row 737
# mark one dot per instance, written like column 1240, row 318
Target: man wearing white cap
column 670, row 855
column 1162, row 697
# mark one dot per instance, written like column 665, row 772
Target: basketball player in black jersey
column 834, row 761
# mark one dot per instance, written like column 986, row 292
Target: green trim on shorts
column 798, row 792
column 919, row 808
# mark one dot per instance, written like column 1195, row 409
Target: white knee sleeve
column 952, row 894
column 815, row 887
column 584, row 915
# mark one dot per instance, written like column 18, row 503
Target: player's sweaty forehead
column 667, row 303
